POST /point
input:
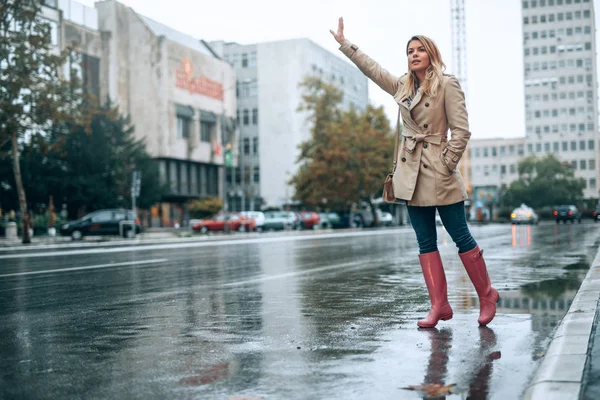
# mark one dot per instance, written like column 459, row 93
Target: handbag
column 388, row 185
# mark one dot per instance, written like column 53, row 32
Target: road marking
column 297, row 273
column 51, row 271
column 202, row 244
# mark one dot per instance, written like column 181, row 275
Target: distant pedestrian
column 426, row 176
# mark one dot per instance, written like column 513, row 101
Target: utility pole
column 136, row 184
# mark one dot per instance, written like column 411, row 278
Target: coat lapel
column 415, row 101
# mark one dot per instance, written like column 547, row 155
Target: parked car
column 103, row 223
column 330, row 220
column 524, row 215
column 233, row 222
column 276, row 221
column 257, row 216
column 309, row 220
column 385, row 218
column 597, row 215
column 567, row 213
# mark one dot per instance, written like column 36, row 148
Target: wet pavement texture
column 322, row 316
column 590, row 389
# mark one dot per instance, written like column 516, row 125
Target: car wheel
column 204, row 229
column 129, row 234
column 76, row 235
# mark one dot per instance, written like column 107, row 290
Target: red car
column 309, row 220
column 233, row 222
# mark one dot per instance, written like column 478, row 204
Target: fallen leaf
column 433, row 389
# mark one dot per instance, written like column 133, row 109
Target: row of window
column 567, row 16
column 184, row 124
column 235, row 175
column 572, row 111
column 190, row 178
column 560, row 48
column 512, row 149
column 246, row 89
column 246, row 146
column 583, row 164
column 241, row 60
column 560, row 64
column 243, row 116
column 550, row 3
column 562, row 95
column 551, row 33
column 565, row 128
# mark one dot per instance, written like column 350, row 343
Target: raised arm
column 366, row 64
column 458, row 122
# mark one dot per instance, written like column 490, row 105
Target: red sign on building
column 200, row 85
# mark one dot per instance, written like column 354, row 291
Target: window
column 581, row 145
column 252, row 61
column 255, row 116
column 551, row 19
column 555, row 147
column 485, row 152
column 494, row 152
column 560, row 17
column 577, row 14
column 525, row 4
column 513, row 169
column 183, row 127
column 246, row 116
column 256, row 174
column 477, row 152
column 525, row 20
column 103, row 216
column 205, row 131
column 565, row 146
column 503, row 169
column 573, row 145
column 582, row 165
column 246, row 146
column 590, row 145
column 586, row 14
column 592, row 183
column 521, row 149
column 502, row 151
column 574, row 164
column 530, row 148
column 588, row 45
column 592, row 164
column 534, row 35
column 244, row 60
column 255, row 145
column 587, row 29
column 538, row 147
column 542, row 19
column 547, row 147
column 534, row 19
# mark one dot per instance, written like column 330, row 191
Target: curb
column 560, row 374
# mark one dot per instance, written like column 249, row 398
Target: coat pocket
column 443, row 168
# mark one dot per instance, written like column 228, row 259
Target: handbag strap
column 396, row 141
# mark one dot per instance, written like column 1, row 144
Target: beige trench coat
column 426, row 173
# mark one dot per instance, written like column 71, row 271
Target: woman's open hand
column 339, row 36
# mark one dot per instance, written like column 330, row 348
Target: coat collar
column 414, row 101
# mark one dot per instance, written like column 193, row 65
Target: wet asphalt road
column 317, row 316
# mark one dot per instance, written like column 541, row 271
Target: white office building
column 271, row 127
column 561, row 98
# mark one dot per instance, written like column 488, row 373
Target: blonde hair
column 433, row 75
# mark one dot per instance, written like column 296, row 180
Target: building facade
column 271, row 126
column 561, row 94
column 176, row 90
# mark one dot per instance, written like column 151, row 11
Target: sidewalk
column 572, row 360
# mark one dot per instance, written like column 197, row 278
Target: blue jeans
column 454, row 220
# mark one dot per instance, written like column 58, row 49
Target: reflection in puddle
column 521, row 236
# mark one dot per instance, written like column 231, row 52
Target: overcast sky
column 381, row 28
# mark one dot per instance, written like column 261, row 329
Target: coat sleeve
column 458, row 122
column 370, row 68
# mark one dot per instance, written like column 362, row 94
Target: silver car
column 524, row 215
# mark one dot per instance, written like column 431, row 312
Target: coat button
column 425, row 126
column 424, row 165
column 426, row 104
column 424, row 145
column 403, row 159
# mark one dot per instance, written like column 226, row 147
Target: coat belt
column 413, row 138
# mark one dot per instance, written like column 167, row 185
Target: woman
column 426, row 176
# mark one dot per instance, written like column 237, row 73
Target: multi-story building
column 271, row 126
column 176, row 90
column 561, row 98
column 494, row 163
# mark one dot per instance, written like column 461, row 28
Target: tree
column 205, row 207
column 87, row 165
column 545, row 182
column 349, row 152
column 32, row 93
